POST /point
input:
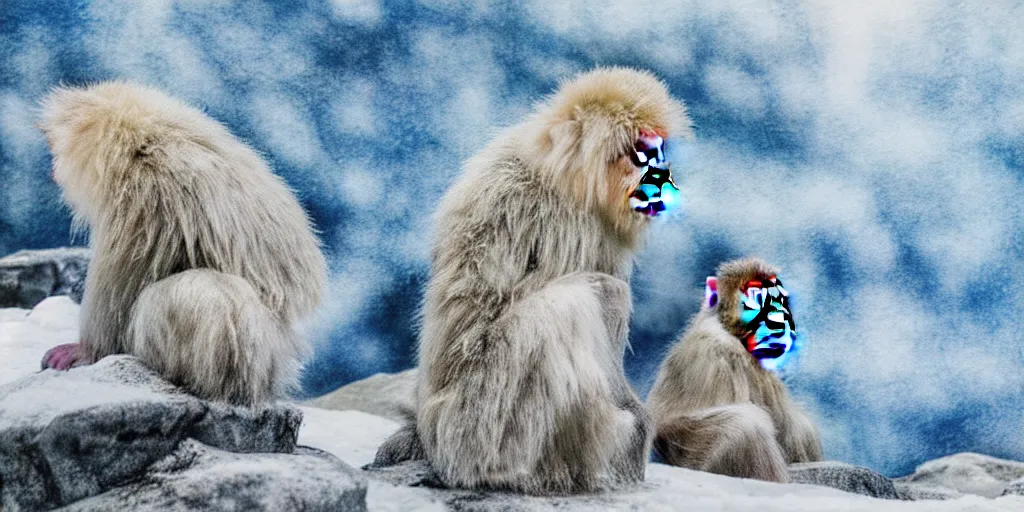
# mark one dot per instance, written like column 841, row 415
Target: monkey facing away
column 202, row 259
column 526, row 315
column 717, row 404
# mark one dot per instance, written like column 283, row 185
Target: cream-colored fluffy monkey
column 716, row 405
column 202, row 259
column 521, row 384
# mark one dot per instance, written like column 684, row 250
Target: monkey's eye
column 649, row 149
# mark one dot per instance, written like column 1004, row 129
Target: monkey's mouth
column 772, row 346
column 770, row 352
column 655, row 193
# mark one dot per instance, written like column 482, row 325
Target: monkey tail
column 208, row 332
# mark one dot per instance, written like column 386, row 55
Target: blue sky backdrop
column 873, row 149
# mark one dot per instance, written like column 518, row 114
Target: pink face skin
column 649, row 139
column 62, row 357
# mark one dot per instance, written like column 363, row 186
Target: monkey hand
column 63, row 357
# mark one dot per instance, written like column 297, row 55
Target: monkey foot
column 62, row 357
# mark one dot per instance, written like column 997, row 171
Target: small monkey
column 526, row 316
column 717, row 404
column 202, row 259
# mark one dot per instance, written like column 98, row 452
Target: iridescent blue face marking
column 656, row 191
column 764, row 309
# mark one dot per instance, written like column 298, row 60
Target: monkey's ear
column 711, row 291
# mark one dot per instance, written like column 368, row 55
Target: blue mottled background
column 874, row 149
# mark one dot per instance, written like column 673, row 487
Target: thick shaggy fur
column 203, row 260
column 527, row 310
column 715, row 408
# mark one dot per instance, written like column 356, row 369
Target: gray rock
column 385, row 394
column 413, row 484
column 197, row 477
column 845, row 477
column 969, row 473
column 914, row 492
column 65, row 436
column 418, row 474
column 1014, row 488
column 28, row 277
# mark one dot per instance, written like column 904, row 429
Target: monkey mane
column 577, row 134
column 731, row 278
column 630, row 97
column 142, row 165
column 100, row 132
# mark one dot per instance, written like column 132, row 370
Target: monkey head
column 97, row 134
column 753, row 305
column 600, row 138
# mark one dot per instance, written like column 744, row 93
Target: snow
column 363, row 433
column 26, row 335
column 353, row 437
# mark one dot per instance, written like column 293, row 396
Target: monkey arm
column 474, row 272
column 106, row 307
column 798, row 435
column 133, row 245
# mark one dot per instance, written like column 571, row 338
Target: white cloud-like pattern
column 873, row 150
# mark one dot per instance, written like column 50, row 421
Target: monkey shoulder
column 708, row 348
column 707, row 335
column 494, row 207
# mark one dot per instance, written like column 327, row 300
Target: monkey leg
column 403, row 445
column 543, row 409
column 636, row 434
column 636, row 429
column 210, row 333
column 735, row 440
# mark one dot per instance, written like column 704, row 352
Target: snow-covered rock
column 197, row 477
column 969, row 473
column 1015, row 487
column 914, row 492
column 389, row 394
column 665, row 488
column 385, row 394
column 114, row 436
column 846, row 477
column 25, row 335
column 28, row 277
column 65, row 436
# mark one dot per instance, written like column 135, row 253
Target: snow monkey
column 526, row 315
column 717, row 404
column 202, row 259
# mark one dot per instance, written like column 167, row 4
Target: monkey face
column 656, row 191
column 764, row 310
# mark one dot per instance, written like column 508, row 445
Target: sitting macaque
column 717, row 404
column 526, row 316
column 203, row 260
